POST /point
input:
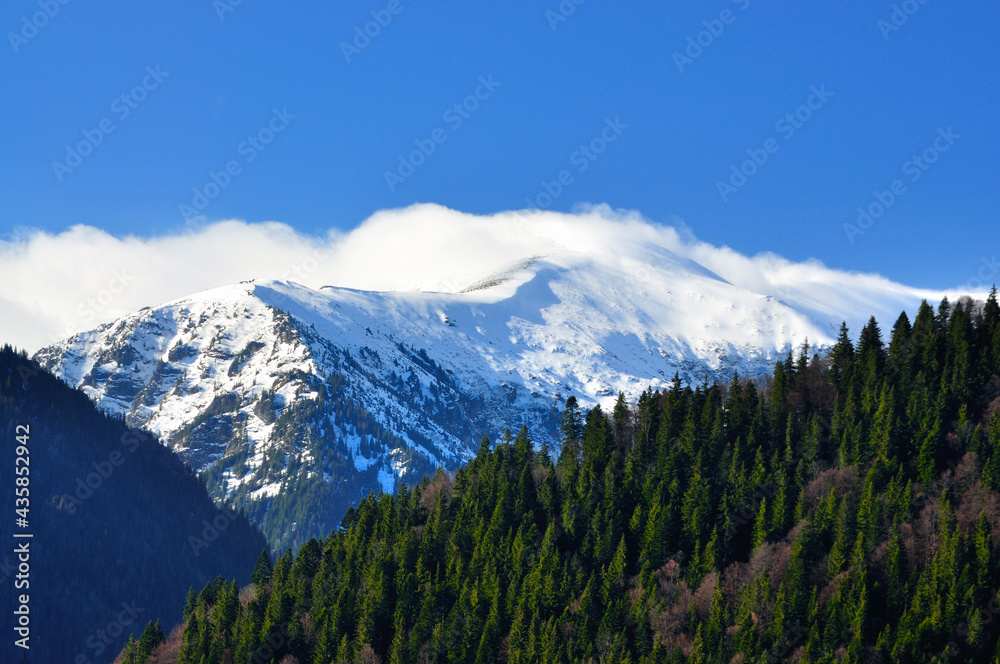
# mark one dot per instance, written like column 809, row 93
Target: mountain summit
column 293, row 401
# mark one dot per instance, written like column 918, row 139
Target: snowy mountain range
column 295, row 401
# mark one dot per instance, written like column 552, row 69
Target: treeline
column 847, row 510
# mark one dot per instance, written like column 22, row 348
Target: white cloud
column 58, row 284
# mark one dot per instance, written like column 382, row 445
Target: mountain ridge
column 274, row 390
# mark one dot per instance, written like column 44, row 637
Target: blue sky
column 280, row 72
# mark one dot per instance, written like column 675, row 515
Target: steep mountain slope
column 121, row 529
column 294, row 402
column 850, row 514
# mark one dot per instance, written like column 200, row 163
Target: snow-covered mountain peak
column 425, row 248
column 280, row 392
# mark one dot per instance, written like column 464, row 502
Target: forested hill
column 846, row 511
column 121, row 527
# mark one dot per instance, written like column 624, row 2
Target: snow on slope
column 280, row 391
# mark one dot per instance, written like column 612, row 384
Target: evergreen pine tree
column 129, row 653
column 262, row 570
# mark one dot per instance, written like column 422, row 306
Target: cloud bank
column 59, row 284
